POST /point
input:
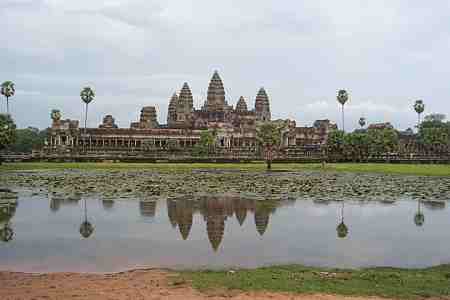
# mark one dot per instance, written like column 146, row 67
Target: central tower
column 216, row 94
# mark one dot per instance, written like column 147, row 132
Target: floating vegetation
column 319, row 186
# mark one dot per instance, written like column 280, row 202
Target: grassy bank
column 383, row 282
column 406, row 169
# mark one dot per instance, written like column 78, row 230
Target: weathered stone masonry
column 235, row 128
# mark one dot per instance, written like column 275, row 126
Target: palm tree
column 8, row 90
column 87, row 95
column 342, row 98
column 342, row 229
column 362, row 122
column 86, row 228
column 419, row 217
column 419, row 107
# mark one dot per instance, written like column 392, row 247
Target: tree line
column 433, row 138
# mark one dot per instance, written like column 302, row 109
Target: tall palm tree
column 8, row 91
column 419, row 217
column 342, row 98
column 87, row 96
column 86, row 228
column 342, row 229
column 362, row 122
column 419, row 107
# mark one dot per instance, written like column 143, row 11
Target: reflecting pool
column 45, row 234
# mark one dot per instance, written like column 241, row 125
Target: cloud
column 138, row 52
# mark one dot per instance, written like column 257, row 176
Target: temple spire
column 216, row 94
column 241, row 105
column 262, row 105
column 172, row 111
column 186, row 98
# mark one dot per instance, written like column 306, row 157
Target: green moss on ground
column 382, row 282
column 406, row 169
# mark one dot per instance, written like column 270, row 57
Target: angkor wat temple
column 234, row 127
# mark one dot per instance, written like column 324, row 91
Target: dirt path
column 139, row 284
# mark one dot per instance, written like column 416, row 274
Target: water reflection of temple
column 216, row 211
column 147, row 208
column 56, row 201
column 108, row 204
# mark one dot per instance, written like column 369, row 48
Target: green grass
column 406, row 169
column 383, row 282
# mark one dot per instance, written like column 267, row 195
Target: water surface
column 221, row 231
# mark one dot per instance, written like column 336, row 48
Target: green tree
column 434, row 133
column 382, row 141
column 269, row 136
column 28, row 139
column 342, row 229
column 8, row 90
column 335, row 144
column 206, row 143
column 86, row 228
column 7, row 132
column 419, row 107
column 87, row 96
column 419, row 217
column 356, row 146
column 342, row 98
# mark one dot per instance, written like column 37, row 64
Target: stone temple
column 234, row 127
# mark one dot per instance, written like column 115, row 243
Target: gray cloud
column 136, row 52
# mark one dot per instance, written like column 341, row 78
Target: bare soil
column 138, row 284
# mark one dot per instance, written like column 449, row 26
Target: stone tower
column 184, row 216
column 262, row 106
column 108, row 122
column 261, row 220
column 184, row 107
column 215, row 227
column 241, row 106
column 185, row 99
column 216, row 94
column 147, row 120
column 147, row 208
column 172, row 111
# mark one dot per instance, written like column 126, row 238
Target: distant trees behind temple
column 7, row 131
column 434, row 133
column 378, row 140
column 27, row 139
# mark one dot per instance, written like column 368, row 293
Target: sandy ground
column 139, row 284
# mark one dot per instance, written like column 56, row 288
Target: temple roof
column 216, row 93
column 262, row 96
column 173, row 100
column 241, row 105
column 186, row 95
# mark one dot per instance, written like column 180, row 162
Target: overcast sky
column 386, row 53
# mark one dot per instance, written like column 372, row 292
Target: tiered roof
column 185, row 97
column 261, row 98
column 262, row 105
column 241, row 105
column 216, row 93
column 172, row 112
